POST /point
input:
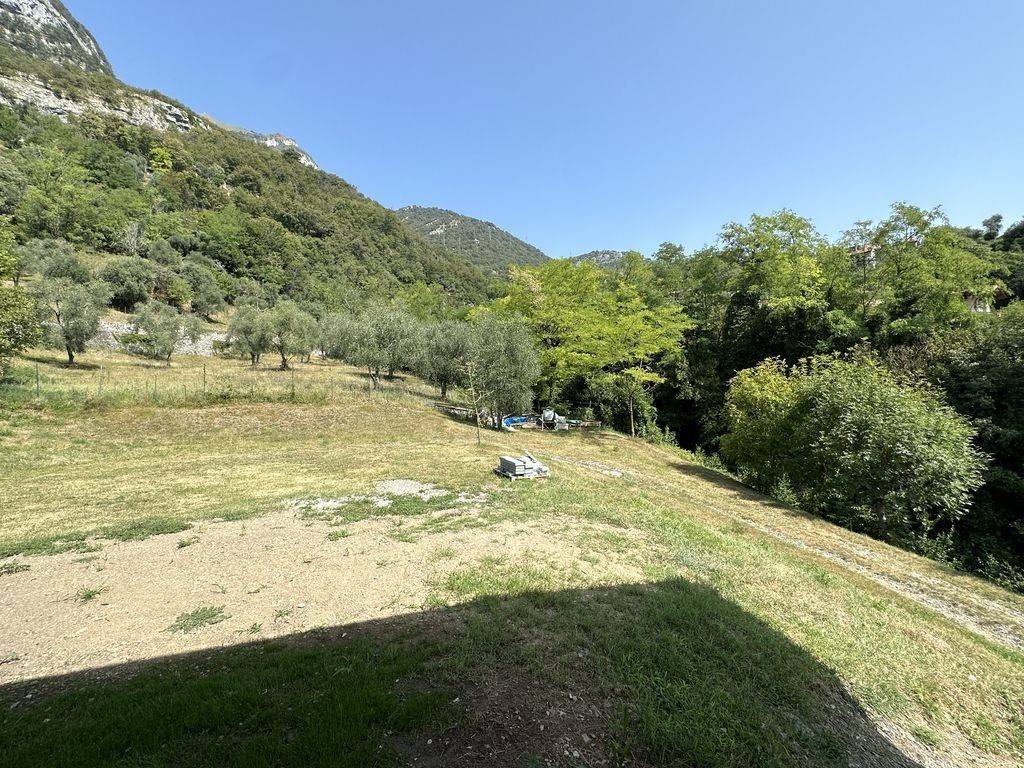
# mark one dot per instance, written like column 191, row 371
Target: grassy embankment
column 753, row 636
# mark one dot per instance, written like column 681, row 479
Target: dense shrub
column 854, row 444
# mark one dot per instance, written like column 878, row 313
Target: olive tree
column 502, row 366
column 72, row 312
column 388, row 339
column 293, row 331
column 158, row 329
column 52, row 259
column 449, row 346
column 854, row 443
column 339, row 337
column 250, row 332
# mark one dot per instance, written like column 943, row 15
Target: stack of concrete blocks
column 521, row 468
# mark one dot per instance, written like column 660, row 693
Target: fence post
column 293, row 385
column 204, row 379
column 37, row 380
column 99, row 383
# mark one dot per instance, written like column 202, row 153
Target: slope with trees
column 481, row 243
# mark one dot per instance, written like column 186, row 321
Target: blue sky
column 581, row 125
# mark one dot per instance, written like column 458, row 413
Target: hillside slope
column 482, row 243
column 311, row 571
column 112, row 168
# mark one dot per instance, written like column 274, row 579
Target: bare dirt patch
column 267, row 577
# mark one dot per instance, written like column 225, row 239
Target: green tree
column 207, row 295
column 250, row 332
column 503, row 366
column 980, row 367
column 340, row 337
column 449, row 347
column 73, row 312
column 158, row 329
column 591, row 324
column 293, row 331
column 389, row 339
column 19, row 322
column 131, row 281
column 57, row 260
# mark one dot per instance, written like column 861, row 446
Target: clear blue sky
column 593, row 124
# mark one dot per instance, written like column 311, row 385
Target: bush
column 19, row 325
column 854, row 444
column 131, row 281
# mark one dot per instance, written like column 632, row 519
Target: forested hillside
column 483, row 244
column 126, row 169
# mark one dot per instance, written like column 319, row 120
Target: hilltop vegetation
column 481, row 243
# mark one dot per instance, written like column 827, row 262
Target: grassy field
column 686, row 621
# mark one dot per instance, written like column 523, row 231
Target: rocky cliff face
column 603, row 259
column 134, row 107
column 46, row 29
column 276, row 141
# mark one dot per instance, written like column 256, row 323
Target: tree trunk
column 71, row 354
column 881, row 518
column 284, row 362
column 444, row 390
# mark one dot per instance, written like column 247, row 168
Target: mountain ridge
column 482, row 243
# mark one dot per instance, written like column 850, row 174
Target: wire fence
column 121, row 385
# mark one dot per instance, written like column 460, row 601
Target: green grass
column 679, row 606
column 9, row 569
column 204, row 616
column 88, row 594
column 266, row 705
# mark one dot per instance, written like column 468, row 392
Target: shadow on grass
column 653, row 674
column 59, row 361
